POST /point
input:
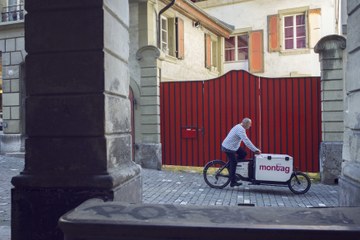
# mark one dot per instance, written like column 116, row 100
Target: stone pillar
column 78, row 142
column 350, row 174
column 149, row 152
column 330, row 49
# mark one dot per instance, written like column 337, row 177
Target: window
column 211, row 52
column 13, row 12
column 294, row 31
column 172, row 37
column 164, row 35
column 237, row 48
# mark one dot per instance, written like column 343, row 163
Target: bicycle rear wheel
column 299, row 183
column 216, row 174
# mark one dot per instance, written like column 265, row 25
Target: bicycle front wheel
column 299, row 183
column 216, row 174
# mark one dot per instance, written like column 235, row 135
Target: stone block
column 120, row 10
column 332, row 64
column 99, row 220
column 149, row 155
column 72, row 156
column 6, row 114
column 131, row 190
column 332, row 136
column 330, row 159
column 332, row 116
column 117, row 114
column 119, row 150
column 150, row 119
column 332, row 85
column 150, row 110
column 332, row 74
column 352, row 143
column 6, row 86
column 10, row 143
column 113, row 31
column 151, row 137
column 150, row 91
column 352, row 112
column 80, row 73
column 331, row 54
column 5, row 56
column 150, row 100
column 353, row 38
column 333, row 127
column 27, row 202
column 20, row 43
column 10, row 45
column 16, row 57
column 2, row 45
column 150, row 128
column 65, row 115
column 349, row 192
column 11, row 72
column 329, row 106
column 336, row 95
column 15, row 113
column 117, row 77
column 352, row 73
column 15, row 85
column 150, row 72
column 74, row 37
column 11, row 99
column 11, row 126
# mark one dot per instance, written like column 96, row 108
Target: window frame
column 294, row 31
column 293, row 11
column 164, row 30
column 236, row 48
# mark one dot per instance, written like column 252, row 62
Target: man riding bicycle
column 231, row 146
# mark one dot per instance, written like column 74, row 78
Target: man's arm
column 247, row 141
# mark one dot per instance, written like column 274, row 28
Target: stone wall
column 350, row 175
column 12, row 54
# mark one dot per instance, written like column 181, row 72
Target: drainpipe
column 159, row 20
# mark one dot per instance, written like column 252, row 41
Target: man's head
column 246, row 123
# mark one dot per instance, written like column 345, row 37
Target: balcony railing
column 12, row 13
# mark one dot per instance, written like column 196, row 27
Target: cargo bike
column 264, row 169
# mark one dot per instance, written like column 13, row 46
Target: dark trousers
column 231, row 155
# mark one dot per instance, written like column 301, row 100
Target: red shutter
column 273, row 33
column 207, row 51
column 256, row 49
column 180, row 49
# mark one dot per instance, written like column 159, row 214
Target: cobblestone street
column 167, row 187
column 185, row 188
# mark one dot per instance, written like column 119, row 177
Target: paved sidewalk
column 185, row 188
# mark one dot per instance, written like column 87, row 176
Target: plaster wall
column 252, row 15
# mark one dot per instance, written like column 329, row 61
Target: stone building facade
column 12, row 57
column 195, row 55
column 350, row 174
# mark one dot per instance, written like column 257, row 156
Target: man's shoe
column 234, row 184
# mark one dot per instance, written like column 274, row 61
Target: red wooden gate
column 197, row 115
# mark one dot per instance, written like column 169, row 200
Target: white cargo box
column 273, row 167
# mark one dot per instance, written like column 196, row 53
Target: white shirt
column 234, row 138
